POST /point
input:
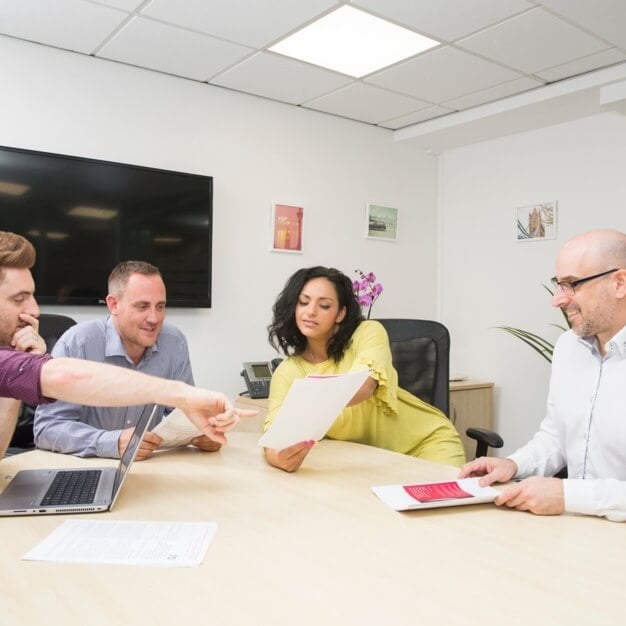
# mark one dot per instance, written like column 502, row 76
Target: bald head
column 597, row 250
column 593, row 266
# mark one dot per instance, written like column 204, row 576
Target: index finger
column 247, row 412
column 30, row 320
column 477, row 465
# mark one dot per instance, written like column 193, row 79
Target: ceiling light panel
column 353, row 42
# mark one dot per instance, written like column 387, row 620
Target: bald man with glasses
column 584, row 430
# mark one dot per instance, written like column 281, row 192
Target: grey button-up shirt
column 94, row 431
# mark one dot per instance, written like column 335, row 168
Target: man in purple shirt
column 29, row 375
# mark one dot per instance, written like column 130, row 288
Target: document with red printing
column 436, row 494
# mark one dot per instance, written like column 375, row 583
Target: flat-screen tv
column 84, row 216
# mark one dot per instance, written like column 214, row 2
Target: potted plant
column 540, row 345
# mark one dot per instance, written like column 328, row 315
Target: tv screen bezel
column 197, row 301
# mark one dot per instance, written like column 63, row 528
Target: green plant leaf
column 538, row 344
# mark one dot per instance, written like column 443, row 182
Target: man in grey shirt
column 133, row 336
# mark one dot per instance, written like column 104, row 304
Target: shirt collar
column 115, row 347
column 614, row 346
column 617, row 345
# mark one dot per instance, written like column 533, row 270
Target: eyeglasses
column 569, row 286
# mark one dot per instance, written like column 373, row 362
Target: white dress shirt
column 585, row 427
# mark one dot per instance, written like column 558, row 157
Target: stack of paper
column 125, row 542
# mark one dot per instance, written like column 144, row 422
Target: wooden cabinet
column 470, row 405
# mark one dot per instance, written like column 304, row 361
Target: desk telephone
column 257, row 376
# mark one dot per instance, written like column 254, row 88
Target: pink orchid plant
column 366, row 290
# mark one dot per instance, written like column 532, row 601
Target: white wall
column 489, row 279
column 258, row 152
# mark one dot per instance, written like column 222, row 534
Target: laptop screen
column 133, row 445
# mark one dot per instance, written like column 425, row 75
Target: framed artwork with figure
column 287, row 228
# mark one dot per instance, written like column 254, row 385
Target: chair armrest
column 484, row 439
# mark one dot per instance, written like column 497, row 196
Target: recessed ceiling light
column 353, row 42
column 167, row 240
column 93, row 212
column 13, row 189
column 51, row 234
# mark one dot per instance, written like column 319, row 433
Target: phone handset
column 257, row 376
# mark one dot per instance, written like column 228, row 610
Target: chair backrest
column 420, row 351
column 51, row 327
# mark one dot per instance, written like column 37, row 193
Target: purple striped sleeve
column 20, row 376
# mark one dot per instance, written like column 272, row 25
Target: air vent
column 87, row 509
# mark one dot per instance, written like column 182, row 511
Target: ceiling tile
column 125, row 5
column 580, row 66
column 442, row 75
column 277, row 77
column 69, row 24
column 533, row 41
column 494, row 93
column 491, row 48
column 178, row 51
column 605, row 18
column 446, row 20
column 366, row 103
column 253, row 23
column 414, row 118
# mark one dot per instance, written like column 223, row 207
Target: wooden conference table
column 317, row 547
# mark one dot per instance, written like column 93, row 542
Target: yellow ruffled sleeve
column 370, row 350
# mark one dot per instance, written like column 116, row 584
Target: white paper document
column 176, row 430
column 168, row 544
column 409, row 497
column 310, row 408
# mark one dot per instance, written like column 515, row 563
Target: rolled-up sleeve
column 20, row 376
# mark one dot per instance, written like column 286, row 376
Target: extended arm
column 365, row 392
column 85, row 430
column 98, row 384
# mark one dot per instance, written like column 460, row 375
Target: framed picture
column 287, row 228
column 381, row 222
column 536, row 222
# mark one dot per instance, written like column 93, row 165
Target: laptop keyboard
column 72, row 487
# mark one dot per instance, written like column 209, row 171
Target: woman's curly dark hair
column 283, row 333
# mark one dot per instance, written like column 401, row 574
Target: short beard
column 600, row 322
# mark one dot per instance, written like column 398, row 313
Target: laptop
column 75, row 490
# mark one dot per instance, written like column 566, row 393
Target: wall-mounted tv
column 84, row 216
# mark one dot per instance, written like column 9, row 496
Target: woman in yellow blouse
column 318, row 324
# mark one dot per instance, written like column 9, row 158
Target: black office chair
column 420, row 351
column 51, row 327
